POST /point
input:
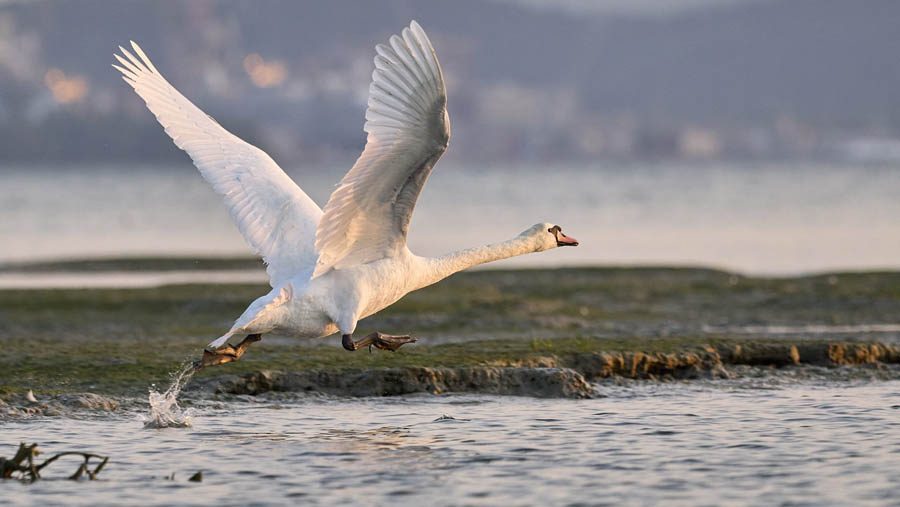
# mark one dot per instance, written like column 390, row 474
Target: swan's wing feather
column 367, row 216
column 274, row 215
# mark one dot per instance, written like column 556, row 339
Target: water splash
column 164, row 409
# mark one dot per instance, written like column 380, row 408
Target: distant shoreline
column 137, row 263
column 153, row 263
column 153, row 272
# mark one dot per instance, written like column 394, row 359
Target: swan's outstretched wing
column 275, row 216
column 367, row 216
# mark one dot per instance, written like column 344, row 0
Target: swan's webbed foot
column 378, row 340
column 226, row 354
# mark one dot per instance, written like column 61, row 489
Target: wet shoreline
column 576, row 376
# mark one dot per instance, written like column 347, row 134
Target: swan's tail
column 259, row 317
column 220, row 341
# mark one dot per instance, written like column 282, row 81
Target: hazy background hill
column 538, row 80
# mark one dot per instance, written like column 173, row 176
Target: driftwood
column 24, row 467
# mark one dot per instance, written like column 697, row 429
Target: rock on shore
column 522, row 381
column 565, row 376
column 24, row 406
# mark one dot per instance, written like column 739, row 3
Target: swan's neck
column 438, row 268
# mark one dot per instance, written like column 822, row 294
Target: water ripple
column 800, row 444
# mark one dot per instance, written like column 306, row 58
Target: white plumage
column 274, row 215
column 330, row 268
column 367, row 216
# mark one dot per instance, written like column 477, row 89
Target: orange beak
column 563, row 240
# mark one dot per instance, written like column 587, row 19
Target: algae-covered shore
column 539, row 332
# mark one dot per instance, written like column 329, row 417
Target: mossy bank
column 482, row 331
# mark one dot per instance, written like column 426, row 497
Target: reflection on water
column 762, row 219
column 701, row 443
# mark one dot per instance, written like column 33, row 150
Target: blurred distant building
column 528, row 81
column 698, row 143
column 870, row 150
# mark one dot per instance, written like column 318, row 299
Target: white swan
column 330, row 268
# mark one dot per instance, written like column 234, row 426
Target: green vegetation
column 120, row 341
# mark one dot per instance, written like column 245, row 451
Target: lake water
column 770, row 219
column 750, row 442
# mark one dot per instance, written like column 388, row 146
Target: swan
column 330, row 267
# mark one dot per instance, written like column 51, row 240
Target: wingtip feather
column 144, row 58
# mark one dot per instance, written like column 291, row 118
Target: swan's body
column 330, row 268
column 339, row 298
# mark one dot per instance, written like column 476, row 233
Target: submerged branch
column 23, row 467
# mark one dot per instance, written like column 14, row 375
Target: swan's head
column 547, row 236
